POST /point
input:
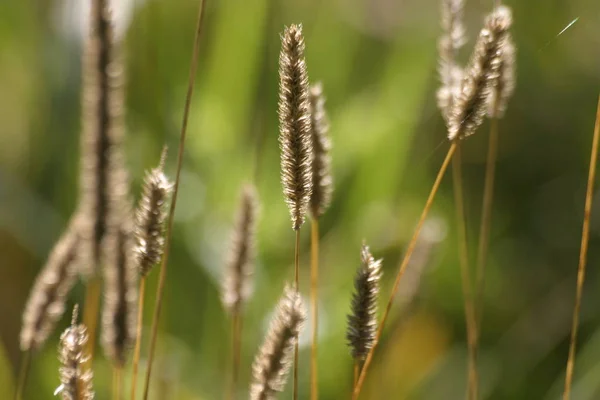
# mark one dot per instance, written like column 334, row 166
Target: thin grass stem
column 465, row 273
column 236, row 326
column 138, row 337
column 402, row 267
column 356, row 373
column 484, row 230
column 90, row 315
column 163, row 265
column 314, row 284
column 23, row 373
column 585, row 235
column 297, row 287
column 117, row 373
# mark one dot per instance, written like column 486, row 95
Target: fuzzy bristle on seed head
column 362, row 322
column 295, row 138
column 120, row 294
column 237, row 284
column 272, row 363
column 46, row 303
column 102, row 132
column 481, row 76
column 505, row 86
column 452, row 39
column 75, row 374
column 151, row 215
column 322, row 186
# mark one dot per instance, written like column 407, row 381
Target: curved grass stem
column 582, row 256
column 23, row 373
column 138, row 337
column 169, row 231
column 402, row 268
column 465, row 273
column 297, row 285
column 314, row 283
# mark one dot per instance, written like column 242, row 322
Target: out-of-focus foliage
column 377, row 62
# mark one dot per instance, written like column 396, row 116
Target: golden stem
column 402, row 268
column 138, row 337
column 236, row 339
column 314, row 283
column 297, row 285
column 484, row 230
column 585, row 235
column 356, row 372
column 163, row 266
column 90, row 315
column 117, row 372
column 465, row 273
column 23, row 373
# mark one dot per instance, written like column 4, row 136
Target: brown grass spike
column 272, row 363
column 237, row 284
column 319, row 202
column 75, row 375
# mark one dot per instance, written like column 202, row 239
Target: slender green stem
column 314, row 284
column 465, row 273
column 402, row 268
column 23, row 373
column 297, row 285
column 138, row 336
column 169, row 231
column 585, row 236
column 484, row 230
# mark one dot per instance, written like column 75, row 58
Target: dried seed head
column 322, row 186
column 151, row 215
column 505, row 86
column 295, row 137
column 102, row 132
column 120, row 294
column 237, row 285
column 362, row 322
column 449, row 44
column 272, row 363
column 46, row 303
column 75, row 375
column 481, row 76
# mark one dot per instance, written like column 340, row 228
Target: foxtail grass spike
column 151, row 215
column 362, row 322
column 102, row 132
column 237, row 285
column 481, row 76
column 295, row 137
column 46, row 303
column 322, row 186
column 452, row 39
column 505, row 86
column 274, row 358
column 120, row 295
column 75, row 374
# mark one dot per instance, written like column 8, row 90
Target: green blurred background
column 377, row 62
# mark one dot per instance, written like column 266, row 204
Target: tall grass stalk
column 314, row 302
column 465, row 273
column 138, row 336
column 585, row 235
column 297, row 288
column 23, row 374
column 403, row 265
column 163, row 265
column 91, row 311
